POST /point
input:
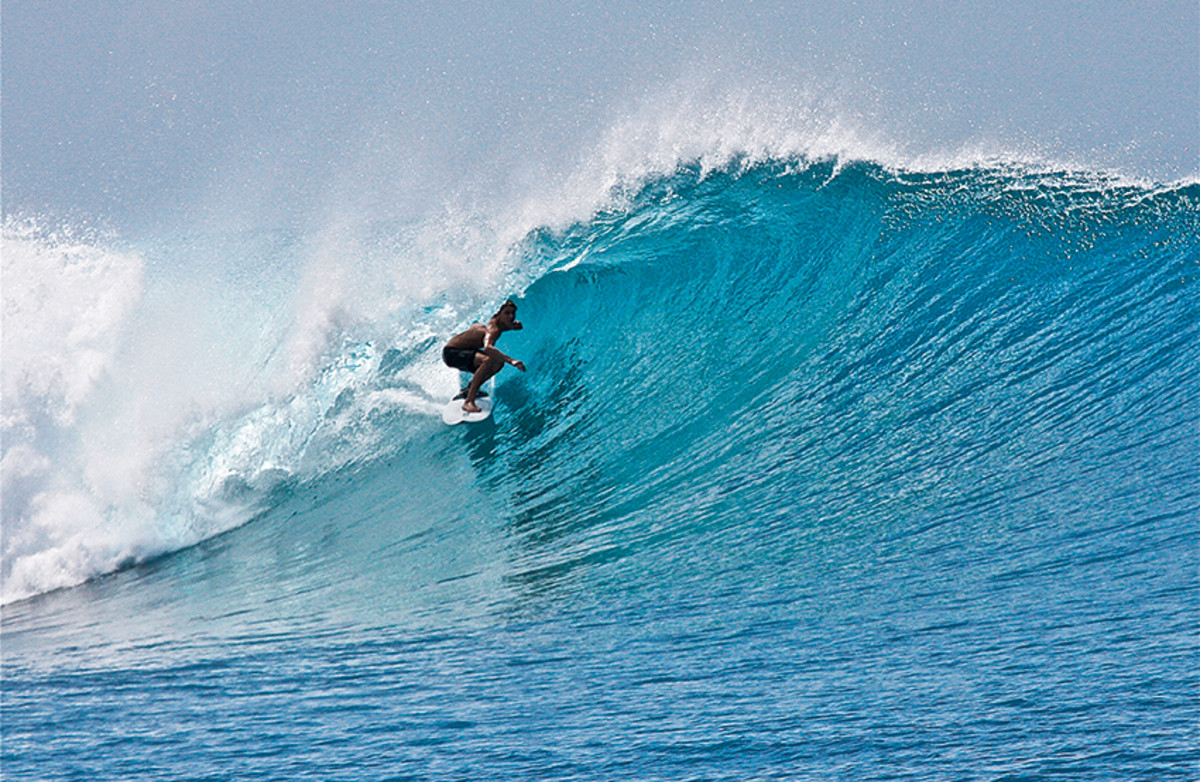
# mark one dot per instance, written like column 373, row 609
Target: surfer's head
column 506, row 316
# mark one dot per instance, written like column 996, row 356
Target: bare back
column 473, row 337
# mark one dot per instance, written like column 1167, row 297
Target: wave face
column 819, row 468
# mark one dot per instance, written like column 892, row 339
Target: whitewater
column 841, row 454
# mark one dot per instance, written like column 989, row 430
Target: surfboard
column 453, row 413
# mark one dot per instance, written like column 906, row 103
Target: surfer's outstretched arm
column 496, row 354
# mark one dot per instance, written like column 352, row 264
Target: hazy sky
column 119, row 109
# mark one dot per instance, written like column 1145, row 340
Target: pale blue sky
column 116, row 109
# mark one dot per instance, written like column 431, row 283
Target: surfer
column 474, row 351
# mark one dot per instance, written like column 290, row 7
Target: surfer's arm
column 489, row 348
column 505, row 358
column 490, row 335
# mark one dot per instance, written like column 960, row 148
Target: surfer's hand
column 519, row 365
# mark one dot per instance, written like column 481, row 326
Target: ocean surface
column 822, row 469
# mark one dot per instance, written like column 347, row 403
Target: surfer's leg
column 486, row 366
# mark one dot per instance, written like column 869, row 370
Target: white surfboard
column 453, row 413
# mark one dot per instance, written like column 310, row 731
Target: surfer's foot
column 470, row 407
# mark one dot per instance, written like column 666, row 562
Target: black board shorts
column 462, row 359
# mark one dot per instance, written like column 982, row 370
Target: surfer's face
column 507, row 317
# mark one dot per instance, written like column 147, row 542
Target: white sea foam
column 67, row 308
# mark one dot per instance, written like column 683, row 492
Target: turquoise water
column 820, row 470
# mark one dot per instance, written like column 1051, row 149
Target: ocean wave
column 722, row 318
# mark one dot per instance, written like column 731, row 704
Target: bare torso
column 471, row 339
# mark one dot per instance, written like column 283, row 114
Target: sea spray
column 67, row 305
